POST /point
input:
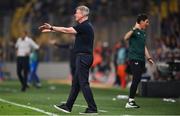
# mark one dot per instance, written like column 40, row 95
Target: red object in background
column 122, row 74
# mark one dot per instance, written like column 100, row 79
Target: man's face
column 144, row 24
column 23, row 35
column 78, row 15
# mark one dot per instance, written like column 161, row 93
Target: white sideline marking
column 8, row 90
column 83, row 106
column 28, row 107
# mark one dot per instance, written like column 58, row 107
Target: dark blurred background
column 111, row 20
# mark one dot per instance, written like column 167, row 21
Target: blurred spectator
column 173, row 42
column 33, row 63
column 105, row 66
column 72, row 56
column 97, row 56
column 121, row 64
column 1, row 64
column 24, row 45
column 115, row 50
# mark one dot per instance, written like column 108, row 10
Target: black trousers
column 23, row 69
column 137, row 68
column 80, row 81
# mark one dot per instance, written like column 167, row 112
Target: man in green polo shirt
column 136, row 53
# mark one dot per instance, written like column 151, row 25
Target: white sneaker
column 131, row 104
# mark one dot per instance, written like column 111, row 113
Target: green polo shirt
column 136, row 49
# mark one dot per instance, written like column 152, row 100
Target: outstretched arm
column 49, row 28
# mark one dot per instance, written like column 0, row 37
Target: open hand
column 46, row 27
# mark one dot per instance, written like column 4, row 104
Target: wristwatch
column 51, row 28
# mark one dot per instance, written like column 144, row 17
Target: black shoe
column 23, row 89
column 88, row 111
column 27, row 86
column 63, row 108
column 131, row 104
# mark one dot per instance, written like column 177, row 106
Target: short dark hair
column 141, row 17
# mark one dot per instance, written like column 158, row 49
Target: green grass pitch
column 50, row 94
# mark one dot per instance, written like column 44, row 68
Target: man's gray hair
column 83, row 9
